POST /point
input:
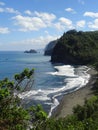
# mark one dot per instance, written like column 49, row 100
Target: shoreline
column 77, row 97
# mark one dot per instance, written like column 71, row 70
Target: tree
column 24, row 80
column 12, row 115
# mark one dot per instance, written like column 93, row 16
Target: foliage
column 12, row 114
column 83, row 118
column 14, row 117
column 24, row 79
column 76, row 48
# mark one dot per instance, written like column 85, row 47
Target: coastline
column 77, row 97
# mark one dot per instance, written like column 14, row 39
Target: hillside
column 76, row 48
column 49, row 48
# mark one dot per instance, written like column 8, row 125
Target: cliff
column 78, row 48
column 49, row 47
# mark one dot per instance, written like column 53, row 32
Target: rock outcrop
column 30, row 51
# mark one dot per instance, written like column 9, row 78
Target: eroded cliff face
column 49, row 48
column 78, row 48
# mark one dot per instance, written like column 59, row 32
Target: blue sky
column 26, row 24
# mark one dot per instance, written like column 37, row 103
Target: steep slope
column 49, row 47
column 76, row 48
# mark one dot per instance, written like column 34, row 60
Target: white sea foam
column 40, row 95
column 54, row 104
column 73, row 81
column 65, row 70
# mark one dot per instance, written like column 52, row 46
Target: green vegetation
column 76, row 48
column 14, row 117
column 83, row 117
column 12, row 114
column 73, row 47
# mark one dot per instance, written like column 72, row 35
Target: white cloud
column 65, row 21
column 36, row 43
column 46, row 17
column 59, row 26
column 28, row 12
column 93, row 25
column 63, row 24
column 34, row 23
column 42, row 40
column 29, row 23
column 4, row 30
column 80, row 23
column 70, row 10
column 9, row 10
column 91, row 14
column 2, row 3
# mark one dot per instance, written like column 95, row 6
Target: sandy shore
column 70, row 100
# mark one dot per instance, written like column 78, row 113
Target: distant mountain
column 30, row 51
column 49, row 47
column 76, row 48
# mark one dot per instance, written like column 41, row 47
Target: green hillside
column 76, row 48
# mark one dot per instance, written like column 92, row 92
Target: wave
column 75, row 78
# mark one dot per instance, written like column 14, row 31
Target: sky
column 32, row 24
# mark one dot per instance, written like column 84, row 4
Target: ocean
column 51, row 82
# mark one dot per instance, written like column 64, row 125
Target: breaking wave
column 73, row 79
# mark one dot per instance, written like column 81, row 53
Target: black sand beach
column 78, row 97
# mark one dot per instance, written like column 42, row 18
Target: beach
column 77, row 97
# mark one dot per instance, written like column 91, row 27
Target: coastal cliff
column 49, row 48
column 79, row 48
